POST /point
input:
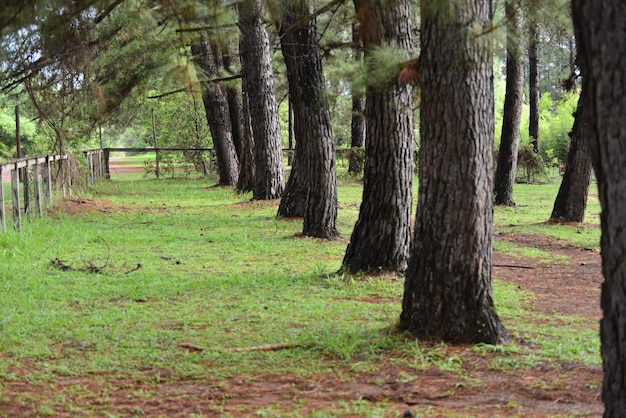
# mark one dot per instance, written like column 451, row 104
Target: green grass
column 180, row 261
column 533, row 209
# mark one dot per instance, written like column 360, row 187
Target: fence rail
column 35, row 172
column 98, row 159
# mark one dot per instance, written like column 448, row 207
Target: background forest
column 83, row 95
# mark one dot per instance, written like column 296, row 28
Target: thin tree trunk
column 382, row 234
column 533, row 84
column 314, row 141
column 293, row 202
column 246, row 156
column 358, row 105
column 236, row 118
column 257, row 69
column 600, row 28
column 448, row 287
column 234, row 99
column 217, row 112
column 513, row 100
column 571, row 201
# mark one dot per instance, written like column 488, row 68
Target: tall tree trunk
column 448, row 287
column 314, row 141
column 513, row 100
column 382, row 234
column 234, row 105
column 217, row 112
column 358, row 104
column 533, row 84
column 235, row 111
column 257, row 69
column 293, row 201
column 246, row 155
column 571, row 201
column 600, row 28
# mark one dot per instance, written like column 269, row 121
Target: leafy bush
column 556, row 121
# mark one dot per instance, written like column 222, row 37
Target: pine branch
column 213, row 80
column 310, row 17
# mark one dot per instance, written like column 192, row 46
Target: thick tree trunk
column 217, row 113
column 513, row 100
column 600, row 28
column 382, row 234
column 314, row 142
column 448, row 288
column 358, row 105
column 533, row 84
column 256, row 62
column 571, row 201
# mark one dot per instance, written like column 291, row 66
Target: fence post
column 37, row 189
column 107, row 170
column 3, row 223
column 157, row 169
column 96, row 160
column 15, row 190
column 26, row 186
column 47, row 183
column 91, row 167
column 101, row 164
column 67, row 175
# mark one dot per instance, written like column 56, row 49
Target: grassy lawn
column 175, row 275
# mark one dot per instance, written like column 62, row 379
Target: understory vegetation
column 173, row 280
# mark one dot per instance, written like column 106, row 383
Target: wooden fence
column 35, row 175
column 98, row 159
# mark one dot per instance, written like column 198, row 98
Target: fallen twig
column 513, row 266
column 192, row 347
column 264, row 347
column 135, row 269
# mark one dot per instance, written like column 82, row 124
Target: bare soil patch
column 570, row 286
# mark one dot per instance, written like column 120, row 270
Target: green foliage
column 555, row 124
column 383, row 65
column 33, row 140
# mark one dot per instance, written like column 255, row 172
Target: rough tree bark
column 448, row 287
column 513, row 100
column 242, row 130
column 382, row 234
column 293, row 201
column 600, row 28
column 233, row 97
column 246, row 154
column 358, row 104
column 256, row 63
column 571, row 201
column 533, row 84
column 217, row 112
column 314, row 141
